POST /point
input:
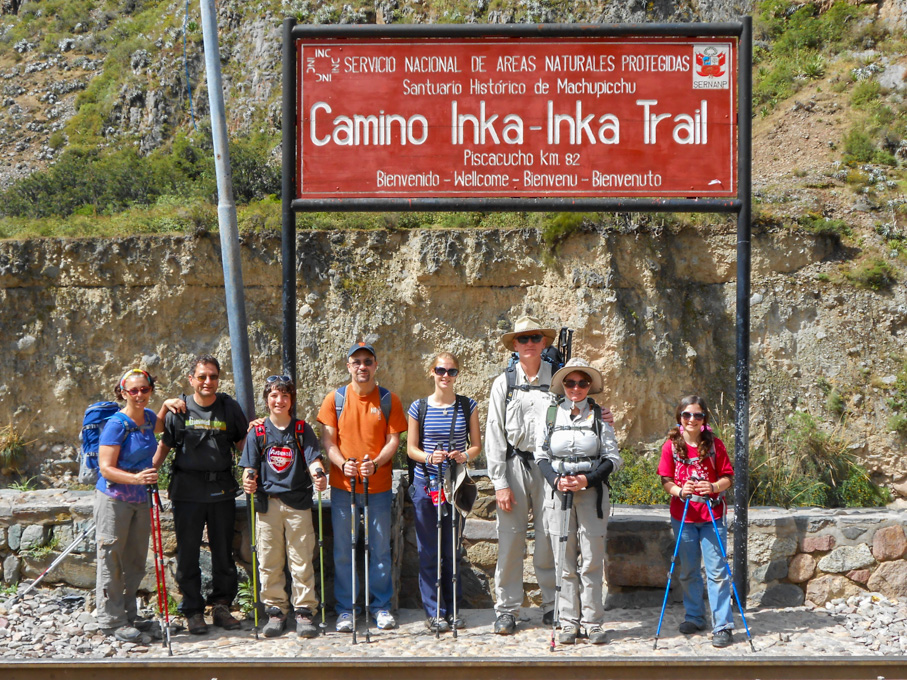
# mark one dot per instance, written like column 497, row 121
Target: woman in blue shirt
column 450, row 433
column 127, row 445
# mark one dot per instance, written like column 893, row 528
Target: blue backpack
column 94, row 420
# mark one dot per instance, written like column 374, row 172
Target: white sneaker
column 345, row 623
column 384, row 620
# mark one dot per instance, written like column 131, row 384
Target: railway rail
column 415, row 668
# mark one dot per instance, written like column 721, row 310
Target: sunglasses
column 135, row 391
column 361, row 362
column 275, row 378
column 686, row 415
column 440, row 370
column 582, row 384
column 534, row 338
column 212, row 377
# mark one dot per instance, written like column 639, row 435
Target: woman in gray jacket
column 576, row 452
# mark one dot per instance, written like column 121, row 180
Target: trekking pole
column 455, row 534
column 366, row 611
column 251, row 505
column 566, row 505
column 72, row 546
column 157, row 541
column 727, row 566
column 323, row 625
column 438, row 504
column 353, row 519
column 686, row 506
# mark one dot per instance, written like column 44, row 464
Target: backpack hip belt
column 572, row 465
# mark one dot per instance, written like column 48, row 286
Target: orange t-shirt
column 363, row 431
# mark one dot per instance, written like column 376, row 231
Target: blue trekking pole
column 686, row 506
column 731, row 576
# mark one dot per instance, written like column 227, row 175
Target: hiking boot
column 222, row 618
column 548, row 618
column 277, row 620
column 505, row 624
column 345, row 623
column 597, row 635
column 127, row 634
column 436, row 625
column 690, row 627
column 385, row 620
column 455, row 623
column 144, row 625
column 196, row 624
column 723, row 638
column 568, row 634
column 305, row 625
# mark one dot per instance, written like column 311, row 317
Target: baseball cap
column 361, row 345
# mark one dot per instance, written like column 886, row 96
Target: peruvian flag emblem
column 711, row 63
column 279, row 458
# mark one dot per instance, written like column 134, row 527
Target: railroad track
column 559, row 668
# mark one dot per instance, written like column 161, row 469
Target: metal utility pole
column 226, row 216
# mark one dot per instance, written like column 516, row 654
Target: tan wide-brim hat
column 581, row 365
column 527, row 325
column 462, row 489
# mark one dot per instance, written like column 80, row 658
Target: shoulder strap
column 453, row 423
column 550, row 419
column 261, row 434
column 597, row 419
column 422, row 410
column 463, row 401
column 384, row 396
column 299, row 432
column 339, row 400
column 128, row 425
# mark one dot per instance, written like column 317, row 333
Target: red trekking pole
column 157, row 547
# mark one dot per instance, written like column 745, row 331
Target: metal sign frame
column 741, row 206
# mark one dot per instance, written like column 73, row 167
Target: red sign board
column 528, row 117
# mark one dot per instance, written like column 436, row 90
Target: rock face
column 653, row 311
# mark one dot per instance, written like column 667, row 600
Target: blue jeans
column 426, row 514
column 699, row 543
column 381, row 585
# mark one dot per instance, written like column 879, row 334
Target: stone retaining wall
column 794, row 555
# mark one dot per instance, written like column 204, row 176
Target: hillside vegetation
column 100, row 89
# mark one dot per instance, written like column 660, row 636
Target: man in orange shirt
column 362, row 420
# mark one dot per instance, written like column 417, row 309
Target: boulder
column 812, row 544
column 801, row 568
column 483, row 556
column 830, row 587
column 13, row 535
column 889, row 543
column 480, row 530
column 11, row 569
column 778, row 595
column 890, row 579
column 860, row 576
column 33, row 536
column 765, row 548
column 773, row 571
column 846, row 558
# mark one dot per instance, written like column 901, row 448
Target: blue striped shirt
column 436, row 432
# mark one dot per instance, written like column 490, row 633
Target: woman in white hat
column 443, row 429
column 576, row 452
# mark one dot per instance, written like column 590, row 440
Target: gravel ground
column 49, row 624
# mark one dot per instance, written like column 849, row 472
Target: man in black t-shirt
column 203, row 492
